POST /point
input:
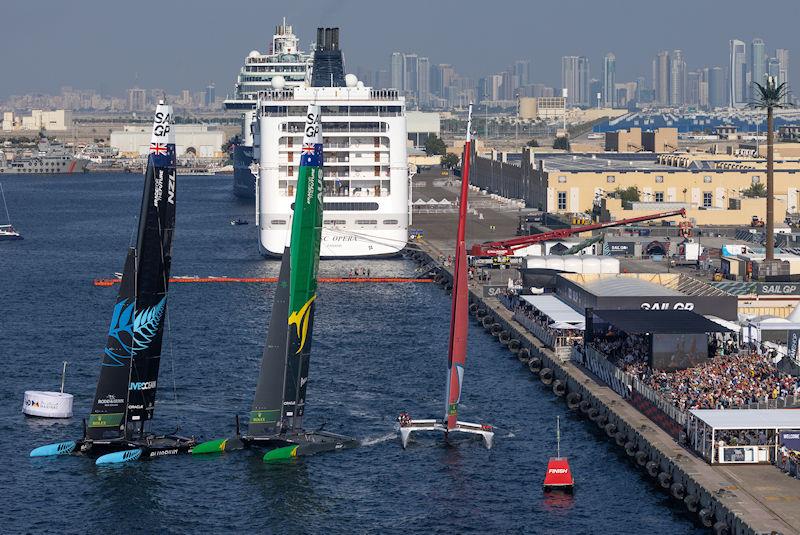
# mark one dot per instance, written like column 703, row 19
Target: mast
column 459, row 319
column 126, row 389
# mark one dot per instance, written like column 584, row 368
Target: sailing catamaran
column 126, row 390
column 276, row 418
column 459, row 320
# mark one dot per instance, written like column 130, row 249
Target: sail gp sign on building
column 667, row 306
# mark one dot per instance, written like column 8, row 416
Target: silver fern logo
column 132, row 331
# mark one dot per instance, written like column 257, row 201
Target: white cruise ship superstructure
column 284, row 59
column 366, row 202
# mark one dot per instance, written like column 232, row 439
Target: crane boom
column 507, row 247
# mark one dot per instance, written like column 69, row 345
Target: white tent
column 562, row 315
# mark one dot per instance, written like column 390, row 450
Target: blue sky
column 176, row 44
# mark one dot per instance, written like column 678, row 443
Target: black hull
column 152, row 446
column 244, row 182
column 310, row 443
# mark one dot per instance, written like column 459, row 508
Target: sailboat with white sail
column 276, row 418
column 124, row 401
column 7, row 231
column 459, row 322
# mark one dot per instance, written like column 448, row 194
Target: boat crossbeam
column 409, row 426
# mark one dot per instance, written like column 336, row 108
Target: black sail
column 265, row 416
column 156, row 231
column 126, row 390
column 111, row 396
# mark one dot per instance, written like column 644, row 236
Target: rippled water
column 378, row 349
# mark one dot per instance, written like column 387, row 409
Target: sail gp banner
column 791, row 439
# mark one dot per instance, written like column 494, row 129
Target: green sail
column 305, row 244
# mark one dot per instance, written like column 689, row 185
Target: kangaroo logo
column 300, row 320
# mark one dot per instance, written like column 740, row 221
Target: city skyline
column 112, row 58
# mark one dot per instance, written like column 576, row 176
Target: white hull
column 410, row 426
column 342, row 242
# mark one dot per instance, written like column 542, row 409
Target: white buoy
column 48, row 404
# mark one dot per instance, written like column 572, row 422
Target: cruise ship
column 49, row 159
column 284, row 59
column 366, row 202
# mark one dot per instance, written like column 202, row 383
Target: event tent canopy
column 741, row 419
column 563, row 315
column 659, row 321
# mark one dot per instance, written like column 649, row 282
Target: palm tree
column 769, row 96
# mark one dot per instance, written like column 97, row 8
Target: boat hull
column 244, row 181
column 307, row 443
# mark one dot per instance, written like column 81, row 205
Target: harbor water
column 379, row 349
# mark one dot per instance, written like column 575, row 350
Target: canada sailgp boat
column 276, row 418
column 459, row 318
column 126, row 390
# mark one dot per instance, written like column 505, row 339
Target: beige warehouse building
column 196, row 139
column 709, row 187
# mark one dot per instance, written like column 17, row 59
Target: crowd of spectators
column 730, row 378
column 725, row 381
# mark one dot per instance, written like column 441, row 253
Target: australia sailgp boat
column 459, row 319
column 276, row 418
column 126, row 390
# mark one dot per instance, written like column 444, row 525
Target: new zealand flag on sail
column 162, row 154
column 311, row 155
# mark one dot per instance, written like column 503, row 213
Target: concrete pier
column 744, row 499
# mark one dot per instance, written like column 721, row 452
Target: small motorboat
column 240, row 221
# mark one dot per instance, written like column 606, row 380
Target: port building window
column 562, row 180
column 707, row 180
column 562, row 200
column 659, row 179
column 659, row 196
column 756, row 179
column 611, row 179
column 707, row 199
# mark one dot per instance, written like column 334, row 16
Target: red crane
column 507, row 247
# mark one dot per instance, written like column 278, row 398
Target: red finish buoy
column 558, row 476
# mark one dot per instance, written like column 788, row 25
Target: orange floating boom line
column 111, row 282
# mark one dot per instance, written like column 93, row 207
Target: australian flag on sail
column 311, row 155
column 162, row 154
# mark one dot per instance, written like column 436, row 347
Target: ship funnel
column 328, row 70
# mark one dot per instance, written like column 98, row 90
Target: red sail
column 459, row 316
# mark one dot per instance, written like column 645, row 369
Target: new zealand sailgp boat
column 459, row 318
column 126, row 391
column 276, row 418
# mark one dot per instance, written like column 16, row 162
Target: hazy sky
column 111, row 45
